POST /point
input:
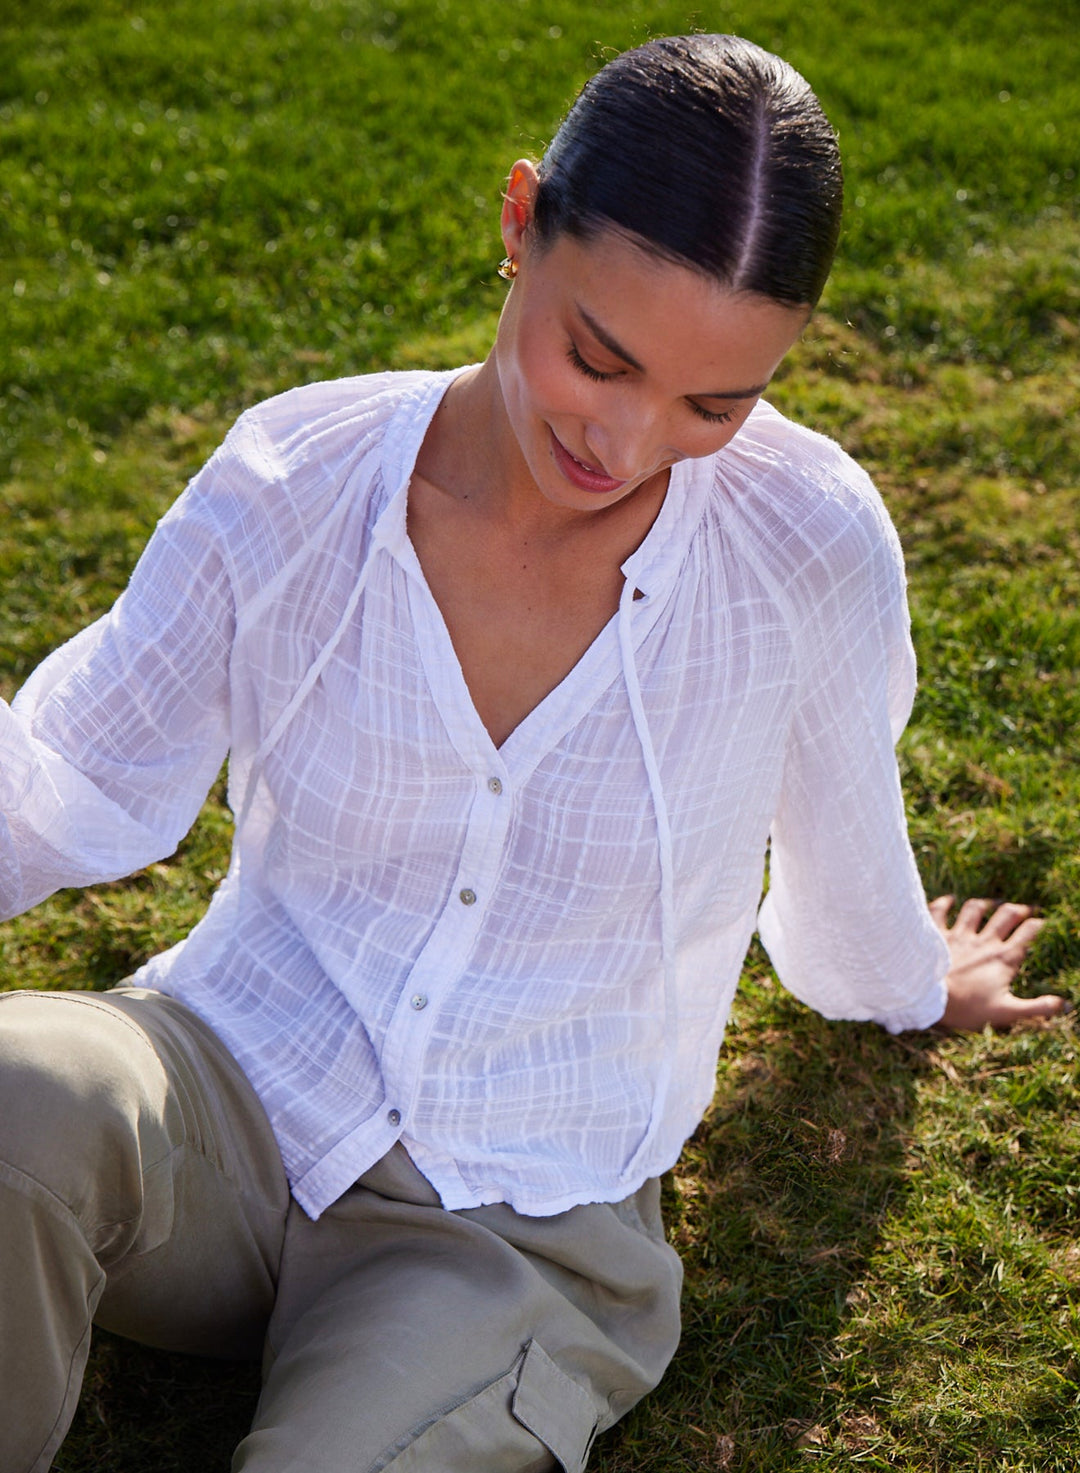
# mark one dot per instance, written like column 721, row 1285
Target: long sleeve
column 422, row 937
column 108, row 751
column 845, row 920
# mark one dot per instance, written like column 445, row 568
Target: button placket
column 442, row 961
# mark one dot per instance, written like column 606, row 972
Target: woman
column 518, row 670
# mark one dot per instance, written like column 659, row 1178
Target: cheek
column 544, row 376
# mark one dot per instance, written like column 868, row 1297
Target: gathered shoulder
column 294, row 466
column 806, row 511
column 317, row 422
column 306, row 440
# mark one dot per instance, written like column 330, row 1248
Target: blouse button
column 418, row 1001
column 467, row 897
column 494, row 786
column 394, row 1117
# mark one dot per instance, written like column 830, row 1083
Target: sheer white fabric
column 519, row 961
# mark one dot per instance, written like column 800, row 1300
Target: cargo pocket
column 516, row 1424
column 555, row 1409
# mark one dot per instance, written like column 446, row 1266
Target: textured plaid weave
column 423, row 937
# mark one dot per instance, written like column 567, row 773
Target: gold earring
column 508, row 268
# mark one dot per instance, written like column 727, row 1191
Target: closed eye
column 723, row 418
column 583, row 366
column 586, row 368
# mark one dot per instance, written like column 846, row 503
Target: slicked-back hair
column 712, row 153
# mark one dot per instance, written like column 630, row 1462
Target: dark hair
column 714, row 153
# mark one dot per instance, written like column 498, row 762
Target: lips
column 583, row 476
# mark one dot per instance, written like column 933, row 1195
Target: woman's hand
column 984, row 962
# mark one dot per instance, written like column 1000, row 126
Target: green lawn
column 201, row 203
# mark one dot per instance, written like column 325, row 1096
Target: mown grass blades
column 201, row 205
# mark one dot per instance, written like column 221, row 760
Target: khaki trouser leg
column 122, row 1198
column 418, row 1340
column 141, row 1187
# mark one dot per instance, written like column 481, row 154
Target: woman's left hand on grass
column 986, row 949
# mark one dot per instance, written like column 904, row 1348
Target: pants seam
column 83, row 1341
column 28, row 1186
column 97, row 1005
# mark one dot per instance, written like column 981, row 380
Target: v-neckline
column 559, row 710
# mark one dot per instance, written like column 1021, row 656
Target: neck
column 472, row 454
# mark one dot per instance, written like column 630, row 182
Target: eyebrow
column 603, row 337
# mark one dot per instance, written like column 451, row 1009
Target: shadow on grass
column 776, row 1207
column 148, row 1411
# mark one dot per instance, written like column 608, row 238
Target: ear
column 519, row 198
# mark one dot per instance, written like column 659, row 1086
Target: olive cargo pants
column 141, row 1189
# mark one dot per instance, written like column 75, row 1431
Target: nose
column 629, row 443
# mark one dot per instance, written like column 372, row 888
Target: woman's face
column 614, row 364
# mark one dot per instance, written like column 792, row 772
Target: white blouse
column 518, row 961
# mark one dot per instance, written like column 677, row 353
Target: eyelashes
column 598, row 377
column 586, row 368
column 723, row 418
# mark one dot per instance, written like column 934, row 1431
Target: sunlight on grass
column 203, row 204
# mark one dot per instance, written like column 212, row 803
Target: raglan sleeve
column 110, row 748
column 845, row 919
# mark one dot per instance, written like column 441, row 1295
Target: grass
column 202, row 204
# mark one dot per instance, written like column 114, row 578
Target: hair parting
column 712, row 153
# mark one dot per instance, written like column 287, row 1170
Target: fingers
column 1001, row 1010
column 940, row 907
column 971, row 915
column 1001, row 922
column 988, row 944
column 968, row 918
column 1015, row 947
column 1012, row 1009
column 1005, row 921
